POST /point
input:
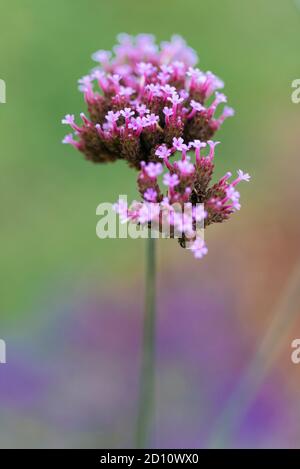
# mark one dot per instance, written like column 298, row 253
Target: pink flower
column 121, row 208
column 178, row 143
column 170, row 180
column 163, row 152
column 138, row 79
column 243, row 176
column 153, row 170
column 175, row 100
column 142, row 109
column 145, row 69
column 200, row 213
column 227, row 112
column 153, row 90
column 212, row 145
column 112, row 117
column 197, row 145
column 197, row 106
column 150, row 195
column 69, row 139
column 168, row 90
column 168, row 112
column 146, row 101
column 152, row 120
column 102, row 56
column 127, row 113
column 126, row 91
column 199, row 248
column 232, row 194
column 69, row 119
column 185, row 167
column 85, row 84
column 220, row 98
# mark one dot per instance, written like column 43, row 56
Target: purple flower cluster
column 188, row 186
column 151, row 102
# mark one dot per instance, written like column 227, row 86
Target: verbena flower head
column 141, row 96
column 145, row 103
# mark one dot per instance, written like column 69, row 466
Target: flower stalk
column 146, row 405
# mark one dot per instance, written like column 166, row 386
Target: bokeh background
column 71, row 304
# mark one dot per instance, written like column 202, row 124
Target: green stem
column 147, row 386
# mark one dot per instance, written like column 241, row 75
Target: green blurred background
column 49, row 194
